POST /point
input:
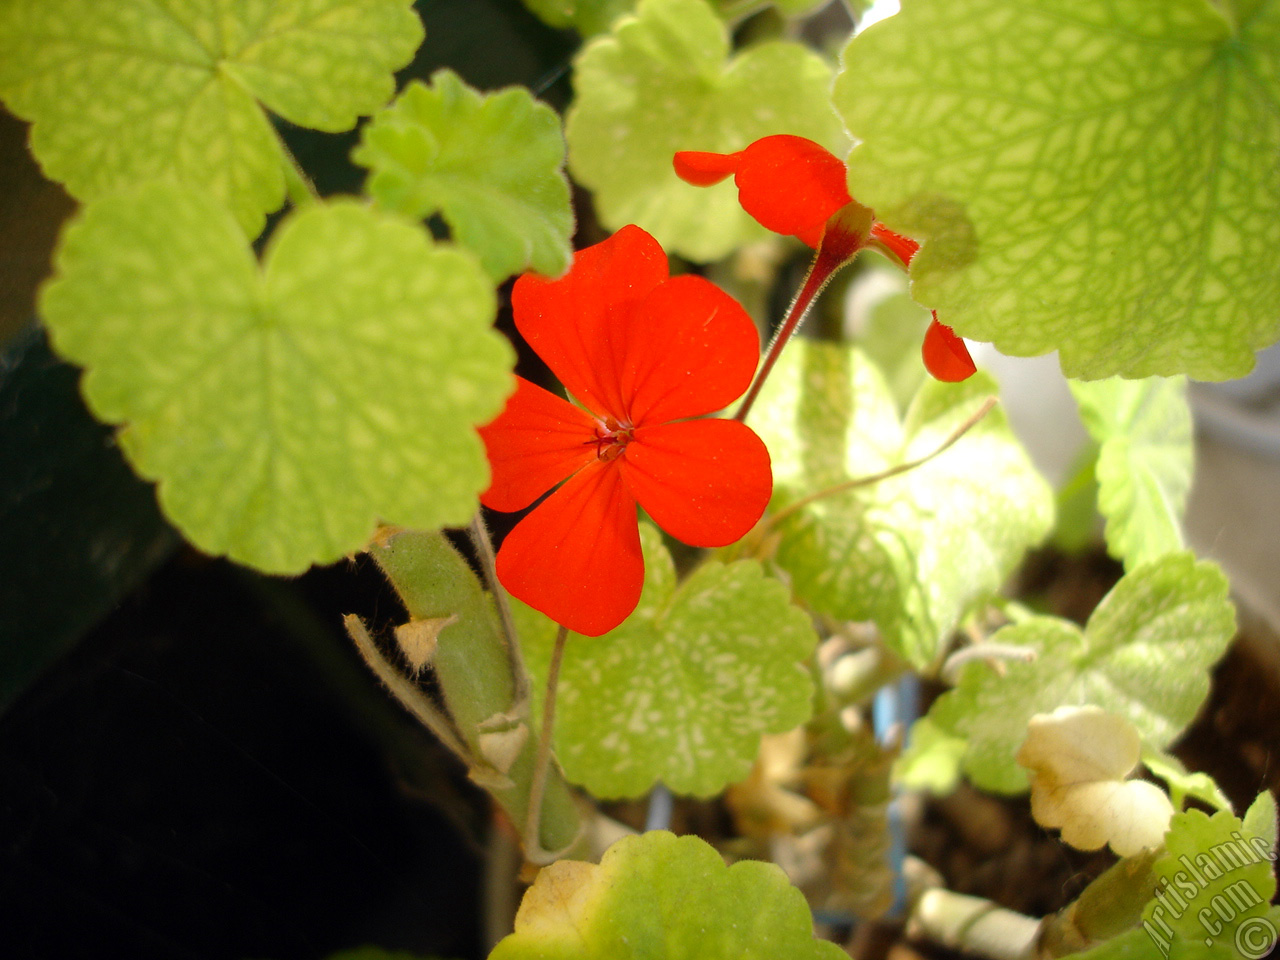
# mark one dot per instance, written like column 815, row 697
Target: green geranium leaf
column 662, row 82
column 588, row 17
column 683, row 690
column 887, row 551
column 1150, row 942
column 126, row 90
column 1144, row 464
column 1181, row 783
column 1145, row 654
column 282, row 410
column 1216, row 882
column 790, row 8
column 1088, row 176
column 891, row 336
column 658, row 895
column 932, row 759
column 1260, row 821
column 490, row 164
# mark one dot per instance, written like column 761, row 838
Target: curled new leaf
column 1079, row 758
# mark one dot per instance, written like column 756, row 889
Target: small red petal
column 572, row 322
column 945, row 355
column 690, row 349
column 704, row 169
column 537, row 441
column 705, row 482
column 904, row 248
column 791, row 185
column 577, row 556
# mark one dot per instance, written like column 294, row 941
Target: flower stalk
column 847, row 232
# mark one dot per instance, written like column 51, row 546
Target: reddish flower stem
column 838, row 248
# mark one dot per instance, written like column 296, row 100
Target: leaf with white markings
column 1085, row 175
column 126, row 90
column 887, row 551
column 1144, row 464
column 683, row 690
column 1145, row 654
column 282, row 409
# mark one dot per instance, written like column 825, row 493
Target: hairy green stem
column 533, row 847
column 488, row 564
column 824, row 267
column 409, row 696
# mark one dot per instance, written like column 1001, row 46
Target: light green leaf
column 931, row 760
column 1181, row 783
column 662, row 81
column 889, row 327
column 888, row 551
column 658, row 895
column 1089, row 176
column 126, row 90
column 732, row 9
column 490, row 164
column 588, row 17
column 1145, row 460
column 1260, row 820
column 1145, row 654
column 683, row 690
column 1150, row 942
column 282, row 411
column 1216, row 882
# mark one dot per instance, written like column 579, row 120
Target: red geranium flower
column 794, row 186
column 645, row 355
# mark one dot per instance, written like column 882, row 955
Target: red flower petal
column 945, row 355
column 904, row 248
column 791, row 185
column 690, row 349
column 537, row 441
column 705, row 169
column 572, row 322
column 705, row 482
column 577, row 557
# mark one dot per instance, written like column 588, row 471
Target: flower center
column 611, row 439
